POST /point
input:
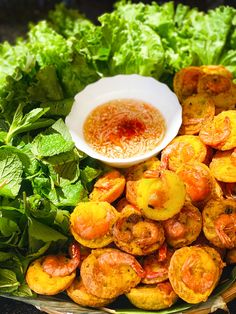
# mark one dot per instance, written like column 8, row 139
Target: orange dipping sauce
column 124, row 128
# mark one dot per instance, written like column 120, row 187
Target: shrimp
column 114, row 258
column 205, row 279
column 156, row 268
column 174, row 228
column 213, row 84
column 182, row 149
column 226, row 223
column 214, row 134
column 135, row 234
column 186, row 82
column 198, row 180
column 108, row 272
column 162, row 252
column 183, row 228
column 91, row 223
column 60, row 265
column 193, row 273
column 89, row 228
column 196, row 110
column 109, row 187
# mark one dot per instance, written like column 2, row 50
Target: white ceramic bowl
column 132, row 86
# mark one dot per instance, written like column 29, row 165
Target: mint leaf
column 68, row 195
column 54, row 141
column 30, row 121
column 44, row 233
column 10, row 173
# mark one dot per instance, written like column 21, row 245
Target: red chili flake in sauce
column 124, row 128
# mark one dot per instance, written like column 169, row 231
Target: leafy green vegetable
column 42, row 91
column 54, row 141
column 10, row 173
column 30, row 121
column 8, row 281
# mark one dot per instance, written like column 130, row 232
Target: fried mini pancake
column 186, row 81
column 136, row 234
column 225, row 101
column 108, row 273
column 213, row 84
column 196, row 110
column 193, row 274
column 91, row 223
column 198, row 180
column 153, row 297
column 223, row 166
column 183, row 228
column 80, row 295
column 42, row 283
column 183, row 149
column 109, row 187
column 221, row 132
column 219, row 222
column 162, row 196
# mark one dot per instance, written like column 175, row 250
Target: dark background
column 14, row 18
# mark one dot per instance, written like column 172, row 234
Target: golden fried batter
column 92, row 222
column 193, row 274
column 153, row 297
column 108, row 273
column 42, row 283
column 80, row 295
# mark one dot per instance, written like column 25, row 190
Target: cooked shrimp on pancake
column 198, row 180
column 108, row 273
column 186, row 81
column 193, row 274
column 223, row 166
column 160, row 195
column 183, row 149
column 52, row 274
column 196, row 110
column 109, row 187
column 219, row 222
column 91, row 223
column 136, row 234
column 184, row 227
column 220, row 133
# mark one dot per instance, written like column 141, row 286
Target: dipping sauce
column 124, row 128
